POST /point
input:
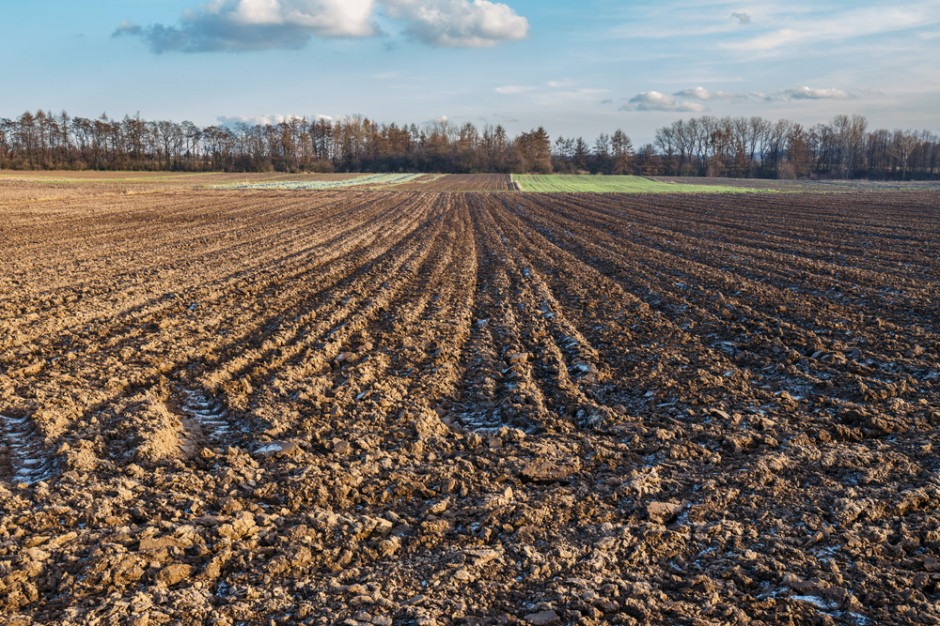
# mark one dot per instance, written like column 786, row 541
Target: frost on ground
column 207, row 415
column 428, row 407
column 370, row 179
column 24, row 452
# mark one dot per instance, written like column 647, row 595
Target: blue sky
column 576, row 68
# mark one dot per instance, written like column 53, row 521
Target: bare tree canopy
column 844, row 147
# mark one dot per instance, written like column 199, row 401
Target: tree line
column 844, row 147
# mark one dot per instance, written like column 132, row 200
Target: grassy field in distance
column 576, row 183
column 137, row 182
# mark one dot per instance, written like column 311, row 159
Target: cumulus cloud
column 690, row 100
column 781, row 95
column 805, row 93
column 808, row 93
column 656, row 101
column 244, row 25
column 126, row 28
column 700, row 93
column 743, row 18
column 458, row 23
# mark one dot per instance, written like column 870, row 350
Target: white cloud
column 656, row 101
column 127, row 28
column 841, row 26
column 258, row 12
column 769, row 41
column 700, row 93
column 458, row 23
column 680, row 101
column 242, row 25
column 781, row 95
column 324, row 18
column 670, row 20
column 808, row 93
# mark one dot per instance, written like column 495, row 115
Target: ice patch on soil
column 29, row 465
column 816, row 601
column 208, row 413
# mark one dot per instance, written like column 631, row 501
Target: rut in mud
column 24, row 458
column 465, row 407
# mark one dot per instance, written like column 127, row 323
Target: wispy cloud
column 552, row 92
column 841, row 26
column 686, row 20
column 246, row 25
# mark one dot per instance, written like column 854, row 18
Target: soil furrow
column 411, row 405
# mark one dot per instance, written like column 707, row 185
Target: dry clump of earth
column 430, row 407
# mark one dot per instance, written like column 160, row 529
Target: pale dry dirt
column 467, row 408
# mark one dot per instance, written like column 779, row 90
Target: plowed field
column 356, row 406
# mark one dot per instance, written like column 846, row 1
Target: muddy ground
column 468, row 408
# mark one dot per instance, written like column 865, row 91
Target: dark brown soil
column 457, row 408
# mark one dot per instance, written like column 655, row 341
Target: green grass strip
column 586, row 183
